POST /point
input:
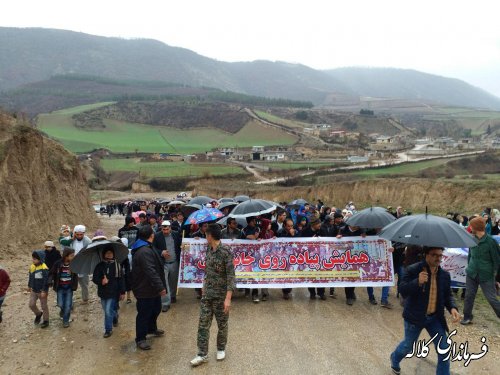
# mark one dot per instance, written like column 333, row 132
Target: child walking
column 110, row 288
column 65, row 283
column 38, row 285
column 4, row 285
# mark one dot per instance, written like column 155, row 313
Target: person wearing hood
column 38, row 287
column 148, row 285
column 129, row 231
column 4, row 285
column 108, row 276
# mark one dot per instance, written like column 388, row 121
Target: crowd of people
column 153, row 232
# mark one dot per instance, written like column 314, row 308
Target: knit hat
column 48, row 244
column 478, row 224
column 80, row 229
column 99, row 235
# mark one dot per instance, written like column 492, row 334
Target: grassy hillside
column 122, row 136
column 169, row 169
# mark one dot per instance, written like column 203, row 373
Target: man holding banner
column 218, row 287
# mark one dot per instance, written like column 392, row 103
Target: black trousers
column 320, row 291
column 349, row 293
column 148, row 310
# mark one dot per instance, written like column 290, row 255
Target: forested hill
column 32, row 54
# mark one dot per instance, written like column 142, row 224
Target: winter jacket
column 51, row 257
column 148, row 276
column 159, row 243
column 284, row 233
column 55, row 275
column 116, row 280
column 39, row 278
column 130, row 233
column 4, row 282
column 484, row 259
column 309, row 232
column 417, row 297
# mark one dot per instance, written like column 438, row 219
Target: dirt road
column 274, row 337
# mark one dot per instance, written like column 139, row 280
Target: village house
column 384, row 139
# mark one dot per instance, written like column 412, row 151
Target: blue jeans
column 412, row 332
column 65, row 301
column 1, row 301
column 385, row 293
column 110, row 307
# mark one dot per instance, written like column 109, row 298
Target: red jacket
column 4, row 282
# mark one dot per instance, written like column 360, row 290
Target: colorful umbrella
column 203, row 216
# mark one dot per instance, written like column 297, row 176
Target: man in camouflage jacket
column 218, row 287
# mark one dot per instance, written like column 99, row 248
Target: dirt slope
column 41, row 187
column 412, row 193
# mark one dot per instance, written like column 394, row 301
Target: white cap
column 80, row 229
column 49, row 244
column 166, row 223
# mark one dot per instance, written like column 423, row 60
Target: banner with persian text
column 296, row 262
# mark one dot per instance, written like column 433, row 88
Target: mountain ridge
column 31, row 55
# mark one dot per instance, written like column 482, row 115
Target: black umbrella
column 241, row 198
column 201, row 199
column 428, row 230
column 225, row 200
column 188, row 209
column 373, row 217
column 240, row 220
column 227, row 204
column 252, row 207
column 90, row 256
column 176, row 203
column 297, row 203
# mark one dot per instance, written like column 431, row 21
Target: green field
column 168, row 169
column 298, row 165
column 477, row 120
column 120, row 136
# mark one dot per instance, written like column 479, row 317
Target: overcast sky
column 453, row 38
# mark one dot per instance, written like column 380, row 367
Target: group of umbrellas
column 241, row 207
column 422, row 230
